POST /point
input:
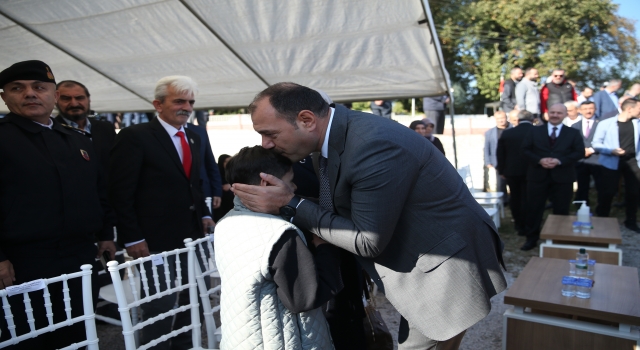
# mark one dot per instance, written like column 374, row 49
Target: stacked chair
column 491, row 201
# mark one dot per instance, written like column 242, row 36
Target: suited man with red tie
column 155, row 189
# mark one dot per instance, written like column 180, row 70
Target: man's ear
column 307, row 120
column 157, row 105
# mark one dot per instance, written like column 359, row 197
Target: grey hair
column 180, row 84
column 525, row 115
column 615, row 81
column 571, row 103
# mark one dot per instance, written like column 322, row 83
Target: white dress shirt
column 550, row 129
column 324, row 151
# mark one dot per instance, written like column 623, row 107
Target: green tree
column 483, row 39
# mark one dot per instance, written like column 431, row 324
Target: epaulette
column 80, row 131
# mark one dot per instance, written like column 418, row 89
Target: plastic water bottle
column 582, row 262
column 583, row 288
column 591, row 265
column 568, row 286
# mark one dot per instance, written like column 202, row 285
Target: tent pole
column 453, row 133
column 413, row 107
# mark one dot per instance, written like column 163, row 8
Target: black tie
column 553, row 137
column 325, row 191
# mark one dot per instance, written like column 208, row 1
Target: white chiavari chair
column 204, row 247
column 129, row 329
column 88, row 317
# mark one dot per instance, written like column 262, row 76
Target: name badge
column 157, row 260
column 25, row 287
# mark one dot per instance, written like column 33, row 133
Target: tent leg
column 413, row 107
column 453, row 133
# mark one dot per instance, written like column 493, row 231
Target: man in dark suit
column 552, row 151
column 74, row 106
column 209, row 172
column 513, row 167
column 389, row 197
column 53, row 205
column 589, row 166
column 155, row 189
column 508, row 97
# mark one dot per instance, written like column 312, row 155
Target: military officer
column 53, row 204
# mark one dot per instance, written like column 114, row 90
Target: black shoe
column 633, row 227
column 530, row 244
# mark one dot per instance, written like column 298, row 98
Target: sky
column 630, row 9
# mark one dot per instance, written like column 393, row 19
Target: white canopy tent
column 354, row 50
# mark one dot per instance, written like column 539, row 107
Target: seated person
column 272, row 284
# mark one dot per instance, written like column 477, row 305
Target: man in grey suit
column 394, row 201
column 492, row 180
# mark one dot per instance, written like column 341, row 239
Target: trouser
column 584, row 172
column 202, row 117
column 537, row 194
column 437, row 117
column 518, row 200
column 494, row 183
column 30, row 265
column 609, row 186
column 409, row 338
column 166, row 303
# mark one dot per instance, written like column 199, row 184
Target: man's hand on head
column 264, row 199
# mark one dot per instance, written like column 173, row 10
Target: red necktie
column 186, row 154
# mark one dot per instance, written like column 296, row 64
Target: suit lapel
column 337, row 138
column 165, row 140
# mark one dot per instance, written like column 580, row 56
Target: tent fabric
column 354, row 50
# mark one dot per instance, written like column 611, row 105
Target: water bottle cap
column 591, row 262
column 582, row 251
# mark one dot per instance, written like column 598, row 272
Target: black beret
column 27, row 70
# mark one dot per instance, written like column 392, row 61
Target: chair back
column 129, row 326
column 465, row 174
column 43, row 284
column 204, row 246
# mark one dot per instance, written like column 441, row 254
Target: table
column 562, row 243
column 544, row 319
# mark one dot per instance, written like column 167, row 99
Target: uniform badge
column 191, row 141
column 85, row 155
column 50, row 75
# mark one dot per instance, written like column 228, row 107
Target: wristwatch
column 289, row 211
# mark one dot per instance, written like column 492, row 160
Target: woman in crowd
column 425, row 127
column 227, row 196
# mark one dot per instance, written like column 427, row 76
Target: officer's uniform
column 52, row 210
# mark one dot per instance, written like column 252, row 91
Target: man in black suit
column 53, row 205
column 552, row 151
column 589, row 166
column 74, row 106
column 155, row 188
column 513, row 167
column 209, row 172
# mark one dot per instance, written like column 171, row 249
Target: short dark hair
column 587, row 102
column 246, row 166
column 528, row 70
column 288, row 99
column 70, row 83
column 525, row 115
column 628, row 103
column 414, row 124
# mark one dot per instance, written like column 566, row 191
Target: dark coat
column 209, row 173
column 508, row 98
column 150, row 191
column 568, row 149
column 103, row 135
column 509, row 151
column 52, row 193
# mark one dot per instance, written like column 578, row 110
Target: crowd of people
column 556, row 136
column 332, row 198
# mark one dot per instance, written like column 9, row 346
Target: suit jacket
column 593, row 159
column 103, row 135
column 209, row 172
column 490, row 146
column 509, row 152
column 508, row 98
column 418, row 232
column 568, row 148
column 606, row 138
column 604, row 105
column 149, row 190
